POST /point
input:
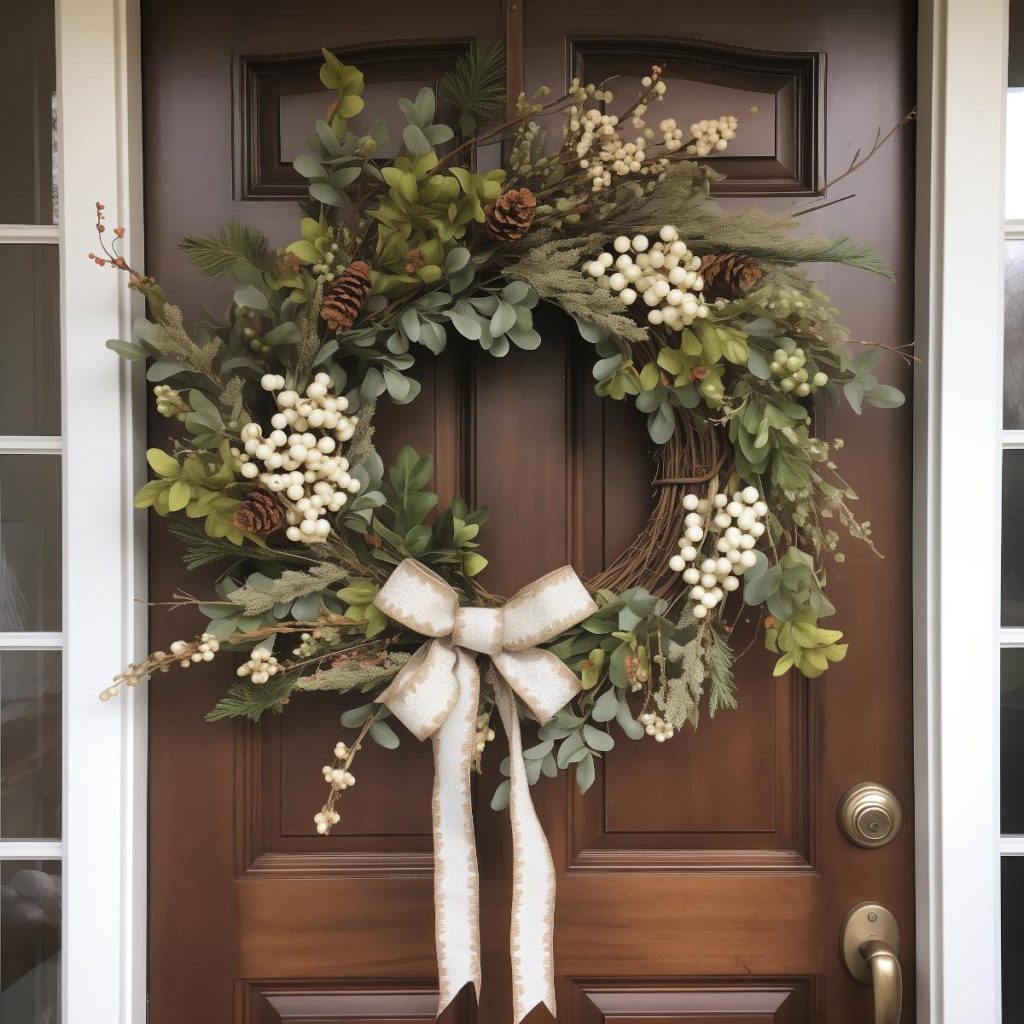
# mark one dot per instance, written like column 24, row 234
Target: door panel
column 702, row 880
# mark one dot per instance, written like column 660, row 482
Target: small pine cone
column 729, row 273
column 509, row 217
column 346, row 295
column 260, row 513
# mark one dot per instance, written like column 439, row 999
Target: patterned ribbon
column 436, row 694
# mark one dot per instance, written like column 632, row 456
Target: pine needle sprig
column 718, row 660
column 200, row 549
column 218, row 255
column 247, row 700
column 476, row 86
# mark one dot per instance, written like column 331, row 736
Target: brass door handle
column 886, row 980
column 870, row 944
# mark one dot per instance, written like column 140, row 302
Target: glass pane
column 1013, row 938
column 1013, row 538
column 29, row 340
column 1013, row 336
column 1011, row 751
column 30, row 941
column 28, row 84
column 30, row 543
column 30, row 744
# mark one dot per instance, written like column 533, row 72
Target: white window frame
column 962, row 82
column 104, row 926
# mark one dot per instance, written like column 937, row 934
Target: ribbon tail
column 533, row 879
column 456, row 877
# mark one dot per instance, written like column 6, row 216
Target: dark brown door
column 702, row 880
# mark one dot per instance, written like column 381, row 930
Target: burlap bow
column 436, row 694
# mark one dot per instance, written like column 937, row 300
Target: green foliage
column 201, row 486
column 789, row 588
column 476, row 86
column 401, row 521
column 805, row 646
column 863, row 385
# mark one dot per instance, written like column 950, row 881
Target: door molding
column 962, row 93
column 961, row 88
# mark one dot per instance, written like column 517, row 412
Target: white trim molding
column 962, row 92
column 29, row 234
column 104, row 745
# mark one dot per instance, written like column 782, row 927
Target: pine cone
column 729, row 273
column 260, row 513
column 346, row 295
column 509, row 217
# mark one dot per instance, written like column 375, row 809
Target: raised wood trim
column 783, row 1000
column 259, row 81
column 260, row 850
column 796, row 77
column 800, row 780
column 281, row 1002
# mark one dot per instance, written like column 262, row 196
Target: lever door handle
column 870, row 944
column 886, row 980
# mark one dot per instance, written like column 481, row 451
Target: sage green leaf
column 456, row 260
column 356, row 717
column 606, row 708
column 503, row 319
column 627, row 723
column 327, row 194
column 251, row 297
column 586, row 773
column 384, row 735
column 661, row 424
column 127, row 349
column 308, row 167
column 501, row 796
column 415, row 141
column 596, row 739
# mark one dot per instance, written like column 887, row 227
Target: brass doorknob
column 870, row 815
column 870, row 944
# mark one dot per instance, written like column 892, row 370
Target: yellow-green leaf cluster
column 348, row 82
column 805, row 646
column 425, row 212
column 358, row 599
column 199, row 486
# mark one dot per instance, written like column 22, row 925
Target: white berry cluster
column 711, row 136
column 325, row 820
column 338, row 778
column 484, row 732
column 204, row 650
column 666, row 275
column 602, row 151
column 303, row 466
column 736, row 523
column 260, row 666
column 657, row 727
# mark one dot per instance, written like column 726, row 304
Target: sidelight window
column 31, row 469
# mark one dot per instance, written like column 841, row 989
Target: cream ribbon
column 436, row 694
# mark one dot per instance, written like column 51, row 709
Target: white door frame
column 962, row 72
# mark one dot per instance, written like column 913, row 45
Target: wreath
column 338, row 573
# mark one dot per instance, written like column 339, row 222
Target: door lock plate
column 864, row 923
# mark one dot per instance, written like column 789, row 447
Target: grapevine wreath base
column 337, row 573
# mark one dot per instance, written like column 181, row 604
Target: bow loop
column 418, row 598
column 545, row 608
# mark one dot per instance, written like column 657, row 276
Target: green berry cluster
column 791, row 369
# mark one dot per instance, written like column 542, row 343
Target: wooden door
column 702, row 880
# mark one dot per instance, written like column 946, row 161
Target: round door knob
column 870, row 815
